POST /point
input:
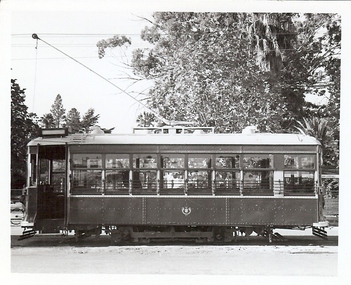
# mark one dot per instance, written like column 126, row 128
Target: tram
column 173, row 183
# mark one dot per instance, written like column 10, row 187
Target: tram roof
column 179, row 139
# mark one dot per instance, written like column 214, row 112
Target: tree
column 146, row 120
column 23, row 128
column 315, row 127
column 73, row 121
column 230, row 70
column 47, row 121
column 323, row 57
column 57, row 111
column 271, row 35
column 321, row 130
column 205, row 70
column 89, row 119
column 116, row 41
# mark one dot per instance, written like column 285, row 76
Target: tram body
column 172, row 183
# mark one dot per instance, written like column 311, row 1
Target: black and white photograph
column 164, row 143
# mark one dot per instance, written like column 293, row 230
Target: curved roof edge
column 189, row 139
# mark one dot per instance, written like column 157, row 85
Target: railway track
column 283, row 237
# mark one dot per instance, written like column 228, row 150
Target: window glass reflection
column 199, row 161
column 89, row 179
column 87, row 160
column 258, row 179
column 145, row 161
column 116, row 179
column 117, row 161
column 227, row 161
column 198, row 179
column 227, row 180
column 299, row 161
column 144, row 179
column 258, row 161
column 299, row 180
column 172, row 161
column 173, row 179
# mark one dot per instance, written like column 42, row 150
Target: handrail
column 208, row 187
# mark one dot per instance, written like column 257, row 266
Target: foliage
column 322, row 130
column 75, row 123
column 331, row 187
column 271, row 37
column 89, row 119
column 202, row 73
column 231, row 70
column 57, row 111
column 24, row 127
column 146, row 119
column 116, row 41
column 47, row 121
column 315, row 127
column 224, row 70
column 72, row 120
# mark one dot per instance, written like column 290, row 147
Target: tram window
column 299, row 161
column 117, row 160
column 90, row 180
column 145, row 161
column 87, row 160
column 227, row 161
column 173, row 179
column 33, row 170
column 117, row 179
column 198, row 179
column 172, row 161
column 58, row 165
column 44, row 173
column 258, row 161
column 299, row 180
column 199, row 161
column 58, row 174
column 144, row 179
column 227, row 179
column 258, row 180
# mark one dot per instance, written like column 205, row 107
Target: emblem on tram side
column 186, row 210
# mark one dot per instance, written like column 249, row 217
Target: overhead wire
column 35, row 36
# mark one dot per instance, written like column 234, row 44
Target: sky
column 46, row 72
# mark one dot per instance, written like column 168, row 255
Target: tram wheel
column 219, row 234
column 125, row 234
column 116, row 236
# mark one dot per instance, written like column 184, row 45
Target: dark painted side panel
column 221, row 211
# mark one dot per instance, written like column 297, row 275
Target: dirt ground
column 311, row 257
column 220, row 260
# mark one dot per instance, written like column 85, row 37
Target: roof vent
column 250, row 130
column 97, row 131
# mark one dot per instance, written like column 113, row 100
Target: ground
column 305, row 256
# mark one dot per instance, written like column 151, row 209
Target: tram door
column 51, row 184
